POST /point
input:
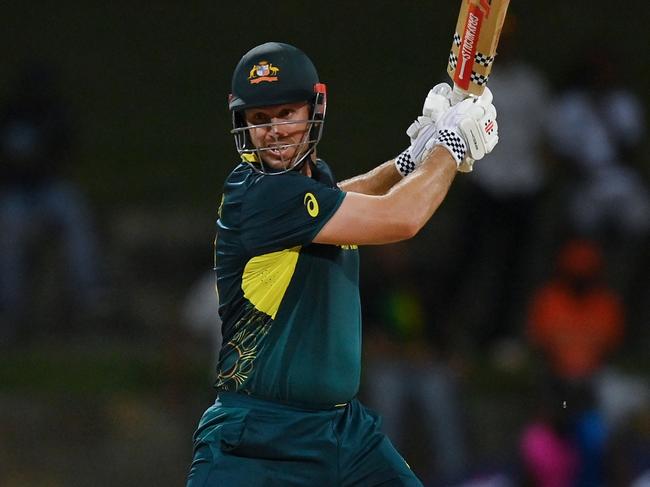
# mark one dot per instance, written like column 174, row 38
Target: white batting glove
column 468, row 130
column 436, row 104
column 468, row 163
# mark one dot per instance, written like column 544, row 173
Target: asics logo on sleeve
column 311, row 204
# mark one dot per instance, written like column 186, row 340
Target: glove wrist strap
column 454, row 143
column 404, row 163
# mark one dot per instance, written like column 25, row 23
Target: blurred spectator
column 38, row 202
column 548, row 454
column 629, row 448
column 576, row 321
column 200, row 313
column 503, row 198
column 622, row 396
column 596, row 127
column 406, row 370
column 642, row 481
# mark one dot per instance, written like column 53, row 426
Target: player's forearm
column 416, row 197
column 376, row 182
column 397, row 215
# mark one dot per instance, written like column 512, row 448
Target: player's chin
column 278, row 159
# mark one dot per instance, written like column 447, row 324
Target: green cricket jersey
column 290, row 308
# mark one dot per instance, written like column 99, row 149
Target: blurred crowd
column 546, row 276
column 537, row 269
column 44, row 216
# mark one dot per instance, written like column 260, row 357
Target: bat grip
column 458, row 94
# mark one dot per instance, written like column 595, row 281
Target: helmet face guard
column 269, row 75
column 303, row 148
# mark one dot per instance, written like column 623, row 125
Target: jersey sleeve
column 285, row 211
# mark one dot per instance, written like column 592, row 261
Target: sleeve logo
column 311, row 204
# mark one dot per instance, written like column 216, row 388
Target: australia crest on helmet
column 263, row 71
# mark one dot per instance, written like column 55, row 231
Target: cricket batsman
column 287, row 267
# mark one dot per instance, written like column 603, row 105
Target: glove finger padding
column 486, row 98
column 472, row 121
column 425, row 133
column 437, row 102
column 442, row 89
column 417, row 125
column 482, row 139
column 480, row 131
column 422, row 131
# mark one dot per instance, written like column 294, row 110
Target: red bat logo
column 467, row 49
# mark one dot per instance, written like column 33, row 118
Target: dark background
column 115, row 402
column 149, row 82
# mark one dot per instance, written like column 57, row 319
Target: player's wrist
column 439, row 155
column 423, row 130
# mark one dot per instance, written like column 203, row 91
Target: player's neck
column 306, row 168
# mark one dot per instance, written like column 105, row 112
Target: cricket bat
column 475, row 45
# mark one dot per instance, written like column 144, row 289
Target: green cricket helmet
column 274, row 74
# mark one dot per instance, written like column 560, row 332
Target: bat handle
column 458, row 94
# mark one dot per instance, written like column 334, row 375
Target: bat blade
column 474, row 46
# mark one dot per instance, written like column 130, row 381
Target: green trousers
column 248, row 442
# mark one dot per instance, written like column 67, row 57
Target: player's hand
column 456, row 97
column 436, row 104
column 468, row 130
